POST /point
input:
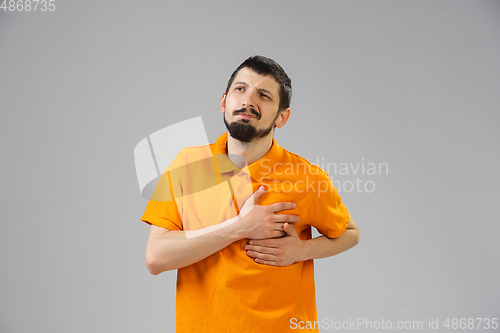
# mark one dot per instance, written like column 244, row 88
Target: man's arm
column 323, row 246
column 287, row 250
column 173, row 249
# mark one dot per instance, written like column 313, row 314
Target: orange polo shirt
column 228, row 291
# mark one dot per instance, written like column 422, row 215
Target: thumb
column 290, row 231
column 258, row 194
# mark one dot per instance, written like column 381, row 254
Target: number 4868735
column 28, row 5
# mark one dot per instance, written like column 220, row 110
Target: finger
column 265, row 262
column 280, row 206
column 262, row 256
column 290, row 231
column 267, row 242
column 279, row 226
column 277, row 234
column 258, row 194
column 271, row 248
column 286, row 218
column 251, row 249
column 260, row 242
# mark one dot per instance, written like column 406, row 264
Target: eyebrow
column 258, row 89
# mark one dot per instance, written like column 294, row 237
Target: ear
column 282, row 118
column 223, row 103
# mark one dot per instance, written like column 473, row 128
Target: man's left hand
column 281, row 251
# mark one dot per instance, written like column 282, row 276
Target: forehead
column 257, row 81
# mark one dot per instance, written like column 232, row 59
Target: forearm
column 176, row 249
column 323, row 246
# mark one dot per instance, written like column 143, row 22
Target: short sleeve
column 163, row 214
column 328, row 214
column 162, row 209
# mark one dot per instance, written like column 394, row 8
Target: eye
column 239, row 88
column 265, row 96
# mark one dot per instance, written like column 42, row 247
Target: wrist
column 234, row 230
column 306, row 250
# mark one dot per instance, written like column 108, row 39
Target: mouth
column 246, row 116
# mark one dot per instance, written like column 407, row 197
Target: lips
column 246, row 115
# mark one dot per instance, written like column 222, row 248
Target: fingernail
column 251, row 242
column 245, row 247
column 294, row 205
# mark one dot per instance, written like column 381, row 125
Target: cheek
column 230, row 105
column 271, row 114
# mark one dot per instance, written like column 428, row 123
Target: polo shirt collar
column 258, row 169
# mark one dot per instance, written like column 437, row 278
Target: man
column 246, row 265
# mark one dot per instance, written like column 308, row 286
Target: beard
column 244, row 131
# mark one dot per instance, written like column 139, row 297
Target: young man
column 235, row 218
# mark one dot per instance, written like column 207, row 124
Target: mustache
column 243, row 110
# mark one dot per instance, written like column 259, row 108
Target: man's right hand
column 261, row 222
column 172, row 249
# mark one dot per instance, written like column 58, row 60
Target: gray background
column 410, row 83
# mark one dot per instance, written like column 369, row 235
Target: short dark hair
column 265, row 66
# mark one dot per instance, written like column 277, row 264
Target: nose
column 248, row 100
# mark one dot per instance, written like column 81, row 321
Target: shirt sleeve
column 192, row 171
column 328, row 214
column 162, row 214
column 162, row 209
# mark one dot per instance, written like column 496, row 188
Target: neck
column 251, row 151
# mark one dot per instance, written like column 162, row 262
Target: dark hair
column 265, row 66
